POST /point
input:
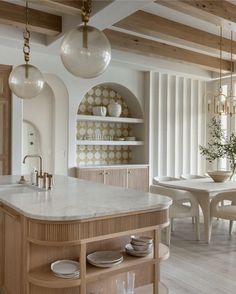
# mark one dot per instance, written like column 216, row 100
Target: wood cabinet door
column 5, row 121
column 138, row 179
column 116, row 177
column 94, row 175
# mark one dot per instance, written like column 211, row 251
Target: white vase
column 114, row 109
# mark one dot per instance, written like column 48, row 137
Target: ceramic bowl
column 220, row 175
column 141, row 240
column 100, row 110
column 144, row 247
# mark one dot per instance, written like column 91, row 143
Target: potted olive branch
column 219, row 146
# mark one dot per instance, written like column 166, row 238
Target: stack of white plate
column 105, row 258
column 66, row 269
column 139, row 246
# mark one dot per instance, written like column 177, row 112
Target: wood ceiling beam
column 130, row 43
column 218, row 12
column 40, row 22
column 72, row 7
column 153, row 25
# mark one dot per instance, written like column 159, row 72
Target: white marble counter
column 74, row 199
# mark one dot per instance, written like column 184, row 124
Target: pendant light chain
column 26, row 35
column 85, row 14
column 220, row 57
column 86, row 11
column 231, row 64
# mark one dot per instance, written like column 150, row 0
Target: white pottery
column 114, row 109
column 100, row 110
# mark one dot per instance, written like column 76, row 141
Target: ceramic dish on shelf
column 72, row 276
column 141, row 247
column 119, row 139
column 130, row 250
column 105, row 258
column 141, row 240
column 104, row 265
column 66, row 268
column 102, row 257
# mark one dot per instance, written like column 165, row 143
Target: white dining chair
column 191, row 177
column 226, row 211
column 180, row 207
column 156, row 180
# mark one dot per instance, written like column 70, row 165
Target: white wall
column 177, row 125
column 67, row 99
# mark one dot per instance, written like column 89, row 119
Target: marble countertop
column 75, row 199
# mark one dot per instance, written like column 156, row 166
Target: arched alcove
column 48, row 112
column 39, row 112
column 102, row 136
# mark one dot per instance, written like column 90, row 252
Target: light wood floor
column 197, row 268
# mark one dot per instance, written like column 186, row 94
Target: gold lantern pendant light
column 26, row 81
column 231, row 99
column 219, row 100
column 85, row 50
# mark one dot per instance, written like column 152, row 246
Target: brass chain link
column 26, row 35
column 86, row 11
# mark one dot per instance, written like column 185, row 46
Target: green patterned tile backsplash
column 95, row 155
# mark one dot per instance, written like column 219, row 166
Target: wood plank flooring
column 195, row 267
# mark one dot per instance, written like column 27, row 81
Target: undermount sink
column 15, row 187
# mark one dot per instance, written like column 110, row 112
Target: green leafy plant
column 219, row 146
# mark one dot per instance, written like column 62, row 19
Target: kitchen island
column 75, row 218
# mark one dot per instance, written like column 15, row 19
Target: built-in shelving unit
column 44, row 277
column 115, row 143
column 95, row 132
column 109, row 119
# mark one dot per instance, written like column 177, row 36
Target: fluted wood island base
column 31, row 240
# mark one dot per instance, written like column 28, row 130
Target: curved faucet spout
column 40, row 162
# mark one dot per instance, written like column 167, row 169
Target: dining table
column 204, row 190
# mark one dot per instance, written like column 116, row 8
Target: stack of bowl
column 139, row 246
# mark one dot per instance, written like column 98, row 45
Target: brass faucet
column 40, row 173
column 40, row 162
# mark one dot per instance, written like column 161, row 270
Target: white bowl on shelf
column 99, row 110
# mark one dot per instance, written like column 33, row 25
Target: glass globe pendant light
column 26, row 81
column 85, row 50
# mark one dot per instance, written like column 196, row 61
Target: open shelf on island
column 129, row 261
column 95, row 118
column 120, row 143
column 44, row 277
column 94, row 273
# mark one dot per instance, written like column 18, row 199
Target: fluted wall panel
column 177, row 125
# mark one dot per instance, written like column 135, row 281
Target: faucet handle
column 50, row 181
column 45, row 175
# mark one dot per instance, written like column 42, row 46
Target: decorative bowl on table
column 220, row 175
column 99, row 110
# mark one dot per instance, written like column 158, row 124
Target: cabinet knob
column 101, row 173
column 107, row 173
column 129, row 172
